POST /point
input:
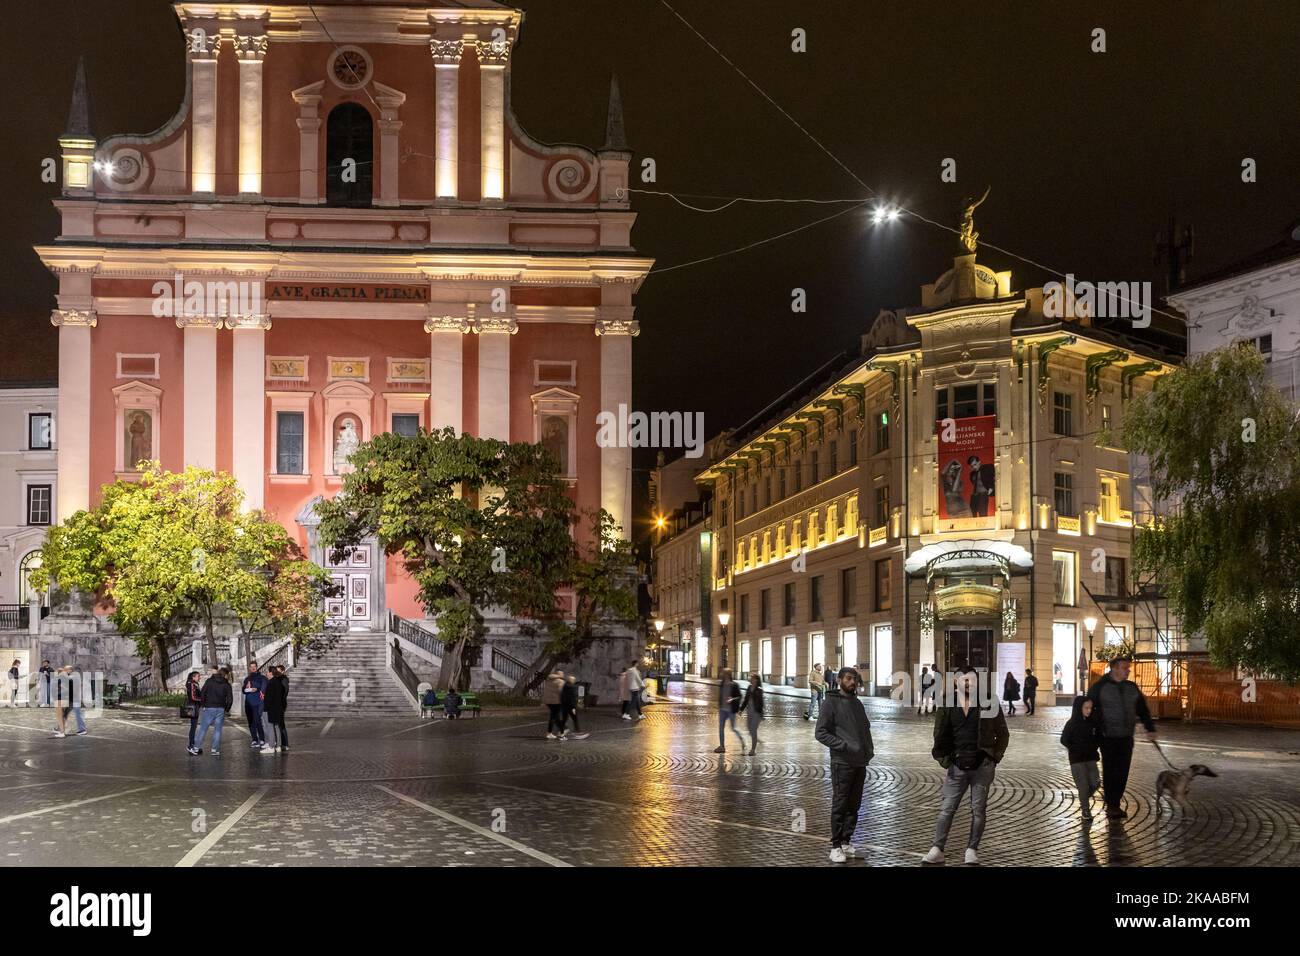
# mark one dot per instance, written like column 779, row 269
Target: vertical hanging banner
column 967, row 474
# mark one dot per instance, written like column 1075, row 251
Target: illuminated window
column 1063, row 577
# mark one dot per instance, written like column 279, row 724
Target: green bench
column 113, row 694
column 468, row 705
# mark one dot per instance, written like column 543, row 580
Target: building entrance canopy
column 969, row 556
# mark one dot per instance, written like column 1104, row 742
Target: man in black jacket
column 968, row 743
column 217, row 700
column 1031, row 689
column 844, row 728
column 728, row 708
column 1117, row 705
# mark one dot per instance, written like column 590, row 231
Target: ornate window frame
column 128, row 396
column 558, row 402
column 405, row 403
column 290, row 402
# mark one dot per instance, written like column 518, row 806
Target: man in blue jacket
column 254, row 695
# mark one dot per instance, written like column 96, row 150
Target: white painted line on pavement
column 222, row 828
column 475, row 828
column 326, row 729
column 143, row 726
column 74, row 803
column 423, row 723
column 28, row 786
column 657, row 811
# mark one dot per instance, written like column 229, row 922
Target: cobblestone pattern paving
column 493, row 791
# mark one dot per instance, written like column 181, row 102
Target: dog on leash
column 1175, row 783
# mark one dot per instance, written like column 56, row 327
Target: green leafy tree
column 1224, row 448
column 284, row 594
column 168, row 549
column 476, row 522
column 605, row 600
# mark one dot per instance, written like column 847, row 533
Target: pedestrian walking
column 1080, row 739
column 44, row 690
column 968, row 745
column 254, row 690
column 215, row 702
column 1011, row 693
column 728, row 706
column 816, row 689
column 926, row 704
column 276, row 703
column 752, row 706
column 843, row 728
column 552, row 692
column 1117, row 705
column 193, row 701
column 13, row 684
column 569, row 708
column 1031, row 690
column 68, row 693
column 623, row 699
column 635, row 685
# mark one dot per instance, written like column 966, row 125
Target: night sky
column 1088, row 155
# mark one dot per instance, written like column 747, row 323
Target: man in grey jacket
column 1117, row 705
column 844, row 728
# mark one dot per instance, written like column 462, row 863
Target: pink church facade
column 343, row 231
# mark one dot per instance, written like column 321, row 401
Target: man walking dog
column 844, row 728
column 1118, row 704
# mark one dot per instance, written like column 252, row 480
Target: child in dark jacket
column 1080, row 740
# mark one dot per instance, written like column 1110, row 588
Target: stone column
column 390, row 100
column 200, row 393
column 446, row 63
column 74, row 408
column 493, row 58
column 251, row 51
column 308, row 99
column 248, row 406
column 446, row 370
column 616, row 334
column 204, row 44
column 494, row 375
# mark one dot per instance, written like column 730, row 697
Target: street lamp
column 1091, row 624
column 724, row 618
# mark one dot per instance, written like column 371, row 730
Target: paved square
column 493, row 791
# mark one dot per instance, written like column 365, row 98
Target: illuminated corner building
column 682, row 535
column 379, row 247
column 854, row 528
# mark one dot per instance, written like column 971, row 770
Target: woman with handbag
column 193, row 701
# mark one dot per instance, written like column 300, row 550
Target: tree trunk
column 212, row 641
column 542, row 665
column 449, row 673
column 158, row 664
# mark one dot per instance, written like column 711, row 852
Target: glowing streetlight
column 884, row 214
column 659, row 624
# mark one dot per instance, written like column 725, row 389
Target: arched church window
column 349, row 156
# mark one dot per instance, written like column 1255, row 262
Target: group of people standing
column 969, row 743
column 265, row 699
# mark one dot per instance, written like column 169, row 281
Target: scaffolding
column 1157, row 633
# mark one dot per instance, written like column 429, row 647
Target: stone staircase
column 316, row 683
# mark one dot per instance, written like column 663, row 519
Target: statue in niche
column 139, row 438
column 555, row 439
column 344, row 445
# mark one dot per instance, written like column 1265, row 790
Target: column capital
column 202, row 45
column 259, row 322
column 493, row 53
column 199, row 321
column 446, row 52
column 496, row 323
column 448, row 323
column 629, row 327
column 251, row 48
column 74, row 318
